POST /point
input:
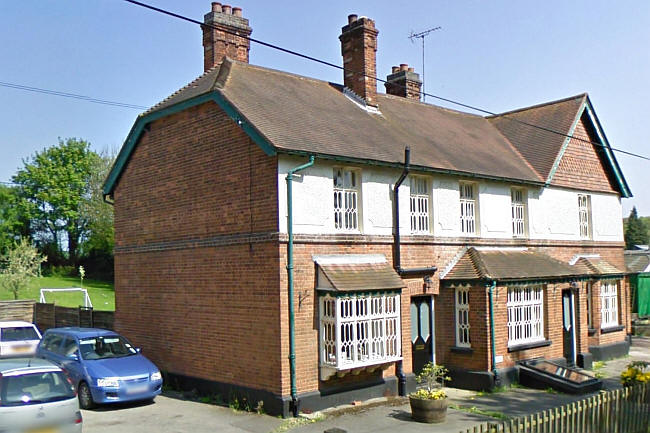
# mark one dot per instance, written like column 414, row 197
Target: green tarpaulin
column 641, row 293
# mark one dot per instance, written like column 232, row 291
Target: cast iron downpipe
column 397, row 259
column 292, row 324
column 494, row 364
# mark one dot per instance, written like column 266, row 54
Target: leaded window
column 346, row 200
column 419, row 205
column 584, row 215
column 518, row 208
column 525, row 315
column 467, row 208
column 462, row 317
column 359, row 330
column 608, row 304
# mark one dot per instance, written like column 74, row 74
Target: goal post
column 87, row 302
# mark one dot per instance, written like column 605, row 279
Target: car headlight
column 156, row 376
column 108, row 382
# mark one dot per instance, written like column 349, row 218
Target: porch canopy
column 356, row 273
column 521, row 264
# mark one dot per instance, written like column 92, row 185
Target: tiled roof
column 637, row 261
column 362, row 277
column 597, row 266
column 539, row 146
column 300, row 114
column 506, row 264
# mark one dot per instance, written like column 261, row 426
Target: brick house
column 494, row 216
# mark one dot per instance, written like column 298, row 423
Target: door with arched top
column 422, row 332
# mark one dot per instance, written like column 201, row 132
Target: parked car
column 18, row 339
column 37, row 396
column 104, row 366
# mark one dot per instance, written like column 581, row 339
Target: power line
column 326, row 63
column 71, row 95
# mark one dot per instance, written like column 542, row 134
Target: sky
column 496, row 55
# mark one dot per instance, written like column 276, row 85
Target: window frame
column 418, row 217
column 608, row 295
column 515, row 206
column 590, row 304
column 462, row 312
column 347, row 189
column 462, row 187
column 584, row 217
column 517, row 307
column 379, row 323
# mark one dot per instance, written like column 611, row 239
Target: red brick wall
column 580, row 164
column 196, row 281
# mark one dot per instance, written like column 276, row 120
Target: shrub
column 636, row 373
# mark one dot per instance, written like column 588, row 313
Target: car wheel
column 85, row 397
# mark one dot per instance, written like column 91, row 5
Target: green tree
column 53, row 186
column 635, row 231
column 19, row 265
column 13, row 223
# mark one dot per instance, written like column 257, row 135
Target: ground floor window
column 462, row 317
column 608, row 304
column 525, row 315
column 359, row 329
column 590, row 316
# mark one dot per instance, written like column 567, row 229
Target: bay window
column 462, row 317
column 608, row 304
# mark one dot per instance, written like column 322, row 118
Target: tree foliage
column 19, row 265
column 54, row 185
column 13, row 224
column 636, row 232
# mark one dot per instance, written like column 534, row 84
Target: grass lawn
column 101, row 293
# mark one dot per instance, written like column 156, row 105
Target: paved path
column 170, row 415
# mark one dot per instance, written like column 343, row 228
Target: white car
column 37, row 396
column 18, row 339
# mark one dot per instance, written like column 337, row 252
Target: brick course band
column 215, row 241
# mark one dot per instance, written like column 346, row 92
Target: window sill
column 591, row 331
column 518, row 347
column 459, row 349
column 612, row 329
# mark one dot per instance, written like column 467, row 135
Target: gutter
column 292, row 321
column 397, row 259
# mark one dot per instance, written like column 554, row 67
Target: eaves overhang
column 400, row 165
column 143, row 120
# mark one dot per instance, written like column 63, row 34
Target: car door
column 70, row 358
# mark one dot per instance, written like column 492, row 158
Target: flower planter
column 429, row 411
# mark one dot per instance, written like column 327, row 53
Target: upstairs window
column 346, row 199
column 525, row 315
column 359, row 330
column 608, row 304
column 419, row 205
column 518, row 206
column 462, row 317
column 584, row 215
column 467, row 208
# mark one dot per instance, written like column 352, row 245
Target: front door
column 568, row 326
column 422, row 332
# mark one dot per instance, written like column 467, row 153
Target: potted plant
column 430, row 404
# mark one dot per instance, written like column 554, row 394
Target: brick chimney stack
column 404, row 82
column 358, row 47
column 217, row 43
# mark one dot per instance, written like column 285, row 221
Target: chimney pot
column 395, row 69
column 216, row 7
column 236, row 12
column 403, row 67
column 227, row 9
column 352, row 18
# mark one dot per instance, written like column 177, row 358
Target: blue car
column 104, row 366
